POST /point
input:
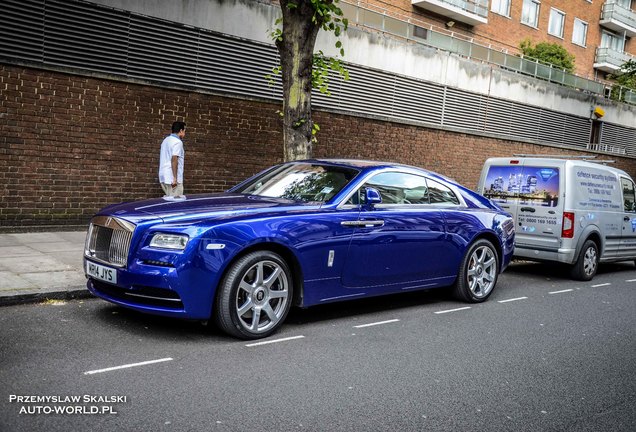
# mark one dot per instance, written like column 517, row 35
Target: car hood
column 203, row 206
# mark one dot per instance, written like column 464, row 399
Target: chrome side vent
column 108, row 240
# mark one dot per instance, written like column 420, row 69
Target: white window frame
column 612, row 41
column 537, row 3
column 585, row 27
column 497, row 5
column 553, row 12
column 627, row 5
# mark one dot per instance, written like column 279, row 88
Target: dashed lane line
column 274, row 341
column 561, row 292
column 126, row 366
column 376, row 323
column 452, row 310
column 601, row 285
column 512, row 299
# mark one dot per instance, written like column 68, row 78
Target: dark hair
column 178, row 127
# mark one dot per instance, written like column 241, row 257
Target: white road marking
column 601, row 285
column 128, row 366
column 512, row 299
column 274, row 341
column 376, row 323
column 559, row 292
column 630, row 280
column 452, row 310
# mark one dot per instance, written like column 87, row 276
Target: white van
column 573, row 211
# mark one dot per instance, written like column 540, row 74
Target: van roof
column 555, row 161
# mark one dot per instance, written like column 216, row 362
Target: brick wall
column 70, row 145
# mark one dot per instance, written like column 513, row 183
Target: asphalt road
column 543, row 354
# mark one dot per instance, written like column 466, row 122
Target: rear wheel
column 587, row 263
column 478, row 273
column 255, row 296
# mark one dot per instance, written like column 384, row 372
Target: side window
column 440, row 194
column 629, row 195
column 395, row 189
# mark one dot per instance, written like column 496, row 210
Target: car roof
column 373, row 164
column 361, row 163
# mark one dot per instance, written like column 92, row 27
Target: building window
column 627, row 4
column 579, row 34
column 501, row 7
column 612, row 41
column 530, row 12
column 557, row 21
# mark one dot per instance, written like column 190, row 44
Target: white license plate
column 101, row 272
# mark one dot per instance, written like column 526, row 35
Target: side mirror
column 372, row 196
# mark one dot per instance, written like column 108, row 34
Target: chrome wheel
column 586, row 264
column 482, row 271
column 590, row 260
column 262, row 297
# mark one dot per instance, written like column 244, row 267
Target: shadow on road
column 556, row 271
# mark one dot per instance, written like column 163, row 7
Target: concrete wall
column 254, row 20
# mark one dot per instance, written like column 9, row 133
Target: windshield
column 301, row 182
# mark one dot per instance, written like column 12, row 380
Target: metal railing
column 427, row 34
column 477, row 7
column 614, row 11
column 612, row 57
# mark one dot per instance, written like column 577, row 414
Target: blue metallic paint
column 416, row 247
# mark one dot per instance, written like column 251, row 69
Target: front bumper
column 168, row 291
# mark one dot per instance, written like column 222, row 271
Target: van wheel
column 586, row 265
column 255, row 296
column 478, row 273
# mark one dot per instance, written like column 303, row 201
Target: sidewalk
column 41, row 265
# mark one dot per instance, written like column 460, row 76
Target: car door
column 628, row 234
column 401, row 241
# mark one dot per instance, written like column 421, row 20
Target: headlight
column 169, row 241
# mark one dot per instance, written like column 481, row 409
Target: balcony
column 618, row 18
column 609, row 60
column 472, row 12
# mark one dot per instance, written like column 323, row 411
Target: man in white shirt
column 171, row 161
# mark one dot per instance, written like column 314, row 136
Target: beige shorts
column 172, row 191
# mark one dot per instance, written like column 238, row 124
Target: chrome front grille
column 108, row 240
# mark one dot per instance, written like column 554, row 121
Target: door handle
column 528, row 209
column 363, row 223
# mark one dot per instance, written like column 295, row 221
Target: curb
column 39, row 297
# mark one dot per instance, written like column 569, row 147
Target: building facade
column 90, row 88
column 599, row 33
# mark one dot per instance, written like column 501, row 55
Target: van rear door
column 628, row 237
column 530, row 190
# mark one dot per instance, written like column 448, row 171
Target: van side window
column 629, row 195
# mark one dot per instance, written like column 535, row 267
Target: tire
column 478, row 273
column 586, row 265
column 255, row 296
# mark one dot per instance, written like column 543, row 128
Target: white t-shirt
column 171, row 146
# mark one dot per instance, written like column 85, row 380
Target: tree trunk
column 296, row 52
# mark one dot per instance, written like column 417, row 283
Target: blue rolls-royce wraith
column 301, row 233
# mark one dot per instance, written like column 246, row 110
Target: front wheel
column 585, row 267
column 478, row 273
column 255, row 296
